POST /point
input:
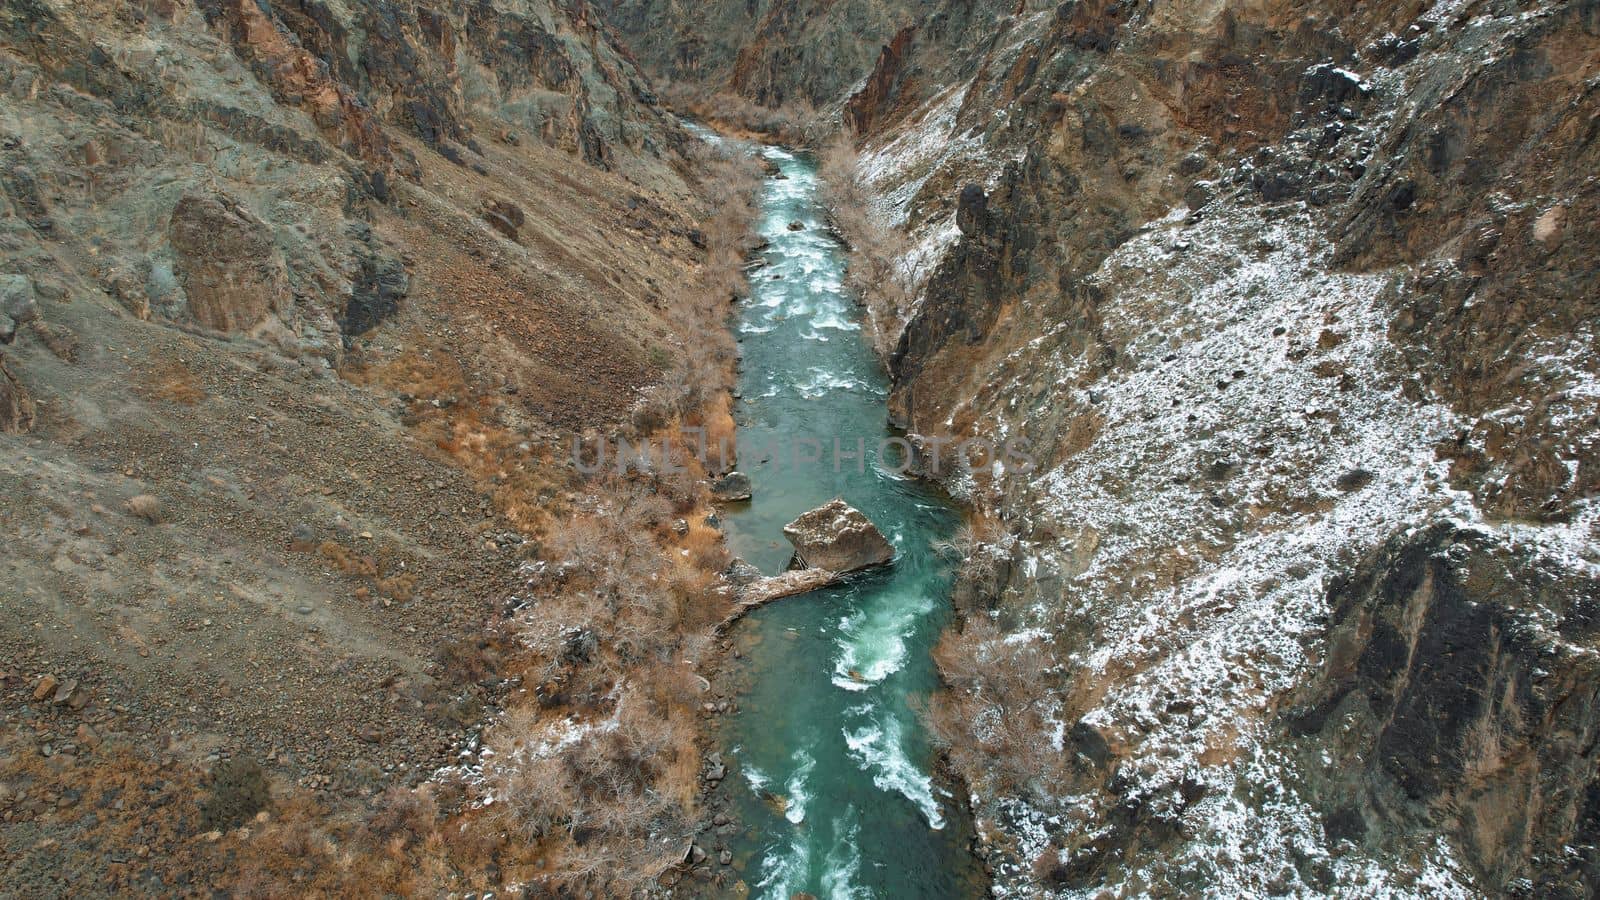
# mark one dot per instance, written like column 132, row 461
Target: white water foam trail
column 799, row 796
column 842, row 865
column 820, row 381
column 757, row 779
column 783, row 874
column 834, row 319
column 879, row 748
column 872, row 643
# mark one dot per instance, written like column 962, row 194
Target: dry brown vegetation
column 591, row 778
column 989, row 720
column 880, row 270
column 698, row 374
column 147, row 507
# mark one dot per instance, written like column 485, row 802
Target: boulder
column 731, row 487
column 838, row 537
column 230, row 268
column 17, row 299
column 504, row 216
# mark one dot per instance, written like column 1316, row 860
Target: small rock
column 797, row 226
column 696, row 854
column 45, row 687
column 725, row 857
column 1354, row 480
column 720, row 818
column 680, row 527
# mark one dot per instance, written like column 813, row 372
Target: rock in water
column 731, row 487
column 837, row 537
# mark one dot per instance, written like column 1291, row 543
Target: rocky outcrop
column 232, row 274
column 16, row 407
column 17, row 305
column 837, row 537
column 1461, row 675
column 878, row 95
column 775, row 52
column 733, row 487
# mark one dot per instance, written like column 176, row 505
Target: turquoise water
column 830, row 777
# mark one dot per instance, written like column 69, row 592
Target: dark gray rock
column 732, row 487
column 17, row 299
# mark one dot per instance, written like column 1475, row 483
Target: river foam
column 879, row 747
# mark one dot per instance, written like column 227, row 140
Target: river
column 831, row 777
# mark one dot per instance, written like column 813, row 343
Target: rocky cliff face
column 295, row 299
column 1294, row 304
column 775, row 52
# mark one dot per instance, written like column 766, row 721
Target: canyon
column 1294, row 306
column 1284, row 583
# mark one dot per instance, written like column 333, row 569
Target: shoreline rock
column 732, row 487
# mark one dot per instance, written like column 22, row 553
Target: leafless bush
column 980, row 551
column 990, row 720
column 881, row 270
column 400, row 812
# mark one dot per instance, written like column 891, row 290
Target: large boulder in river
column 838, row 537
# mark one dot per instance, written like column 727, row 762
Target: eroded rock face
column 838, row 537
column 1468, row 668
column 232, row 273
column 16, row 407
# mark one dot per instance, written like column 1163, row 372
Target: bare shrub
column 991, row 720
column 881, row 270
column 399, row 812
column 238, row 791
column 147, row 507
column 980, row 551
